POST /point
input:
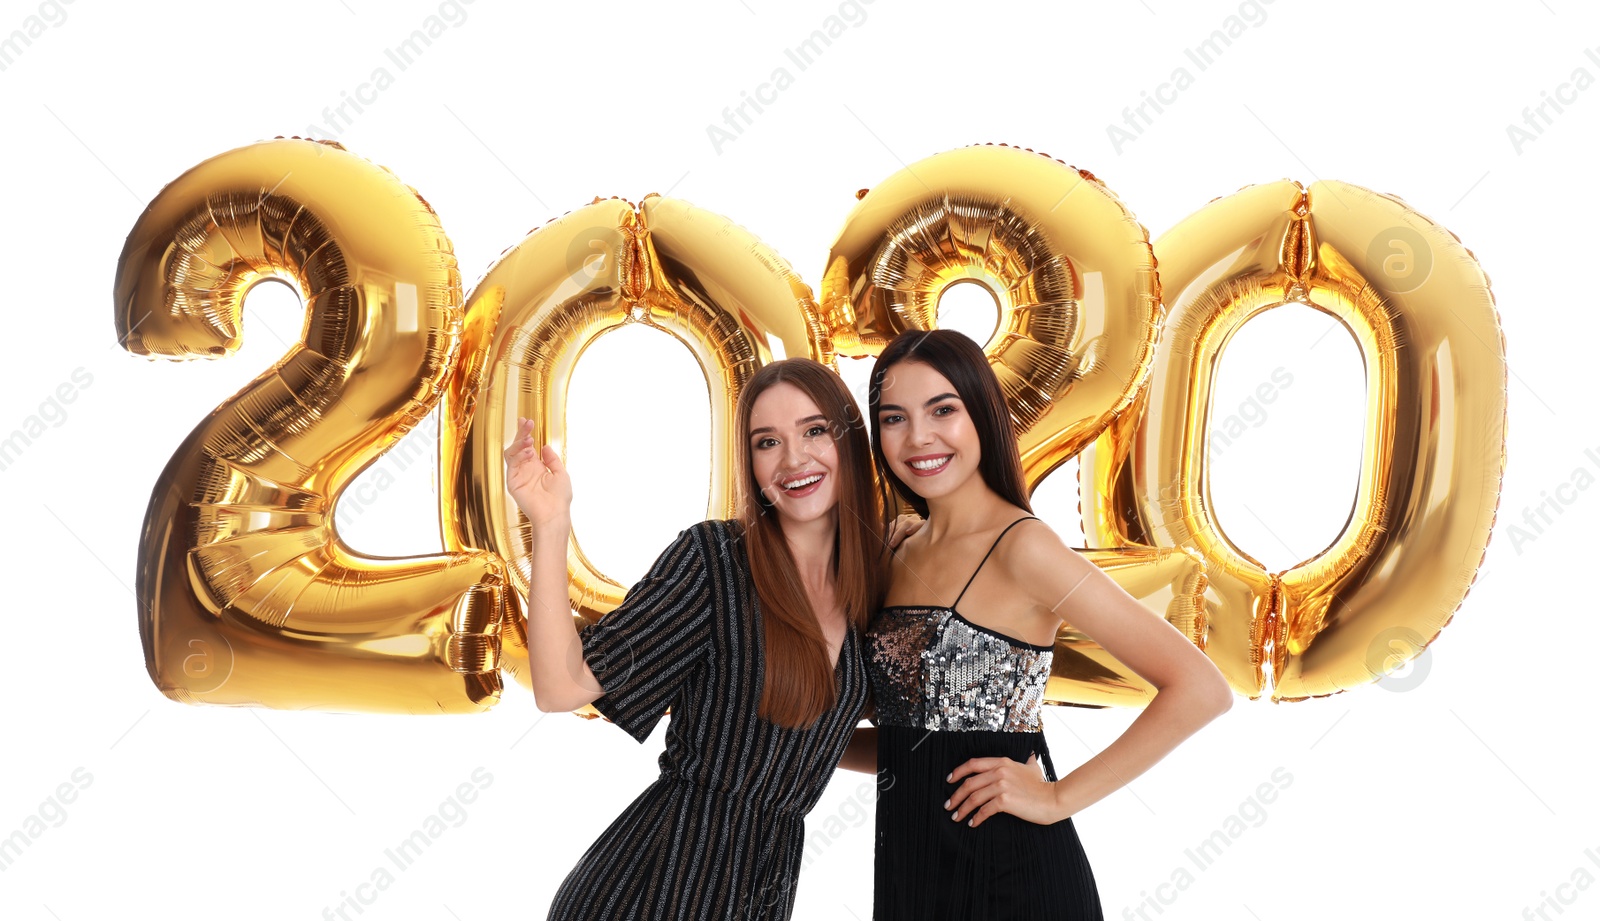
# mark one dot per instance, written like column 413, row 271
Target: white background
column 1467, row 795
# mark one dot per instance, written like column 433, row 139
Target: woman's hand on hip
column 991, row 785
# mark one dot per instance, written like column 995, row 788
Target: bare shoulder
column 1036, row 555
column 1033, row 535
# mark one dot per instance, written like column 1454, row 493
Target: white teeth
column 801, row 484
column 930, row 464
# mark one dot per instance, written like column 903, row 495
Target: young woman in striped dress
column 748, row 628
column 969, row 829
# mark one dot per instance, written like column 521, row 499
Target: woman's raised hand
column 537, row 479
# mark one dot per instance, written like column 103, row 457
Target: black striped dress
column 719, row 835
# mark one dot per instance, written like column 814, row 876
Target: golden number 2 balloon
column 1079, row 301
column 246, row 594
column 1433, row 451
column 1069, row 267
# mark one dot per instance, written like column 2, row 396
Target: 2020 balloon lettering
column 247, row 596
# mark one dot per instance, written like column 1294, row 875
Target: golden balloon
column 1079, row 301
column 1068, row 265
column 1432, row 454
column 666, row 264
column 246, row 594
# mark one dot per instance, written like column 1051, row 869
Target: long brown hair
column 799, row 685
column 964, row 365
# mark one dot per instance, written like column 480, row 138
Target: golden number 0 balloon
column 246, row 594
column 1433, row 452
column 666, row 264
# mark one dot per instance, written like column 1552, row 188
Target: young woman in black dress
column 748, row 628
column 969, row 829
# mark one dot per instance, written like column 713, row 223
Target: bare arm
column 561, row 679
column 1190, row 691
column 861, row 754
column 539, row 483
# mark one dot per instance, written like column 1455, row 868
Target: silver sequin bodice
column 931, row 668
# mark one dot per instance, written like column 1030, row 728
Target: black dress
column 947, row 690
column 719, row 835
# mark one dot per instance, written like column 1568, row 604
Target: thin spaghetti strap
column 986, row 558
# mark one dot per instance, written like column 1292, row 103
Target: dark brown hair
column 963, row 363
column 799, row 685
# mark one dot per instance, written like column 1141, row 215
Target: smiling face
column 928, row 438
column 793, row 454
